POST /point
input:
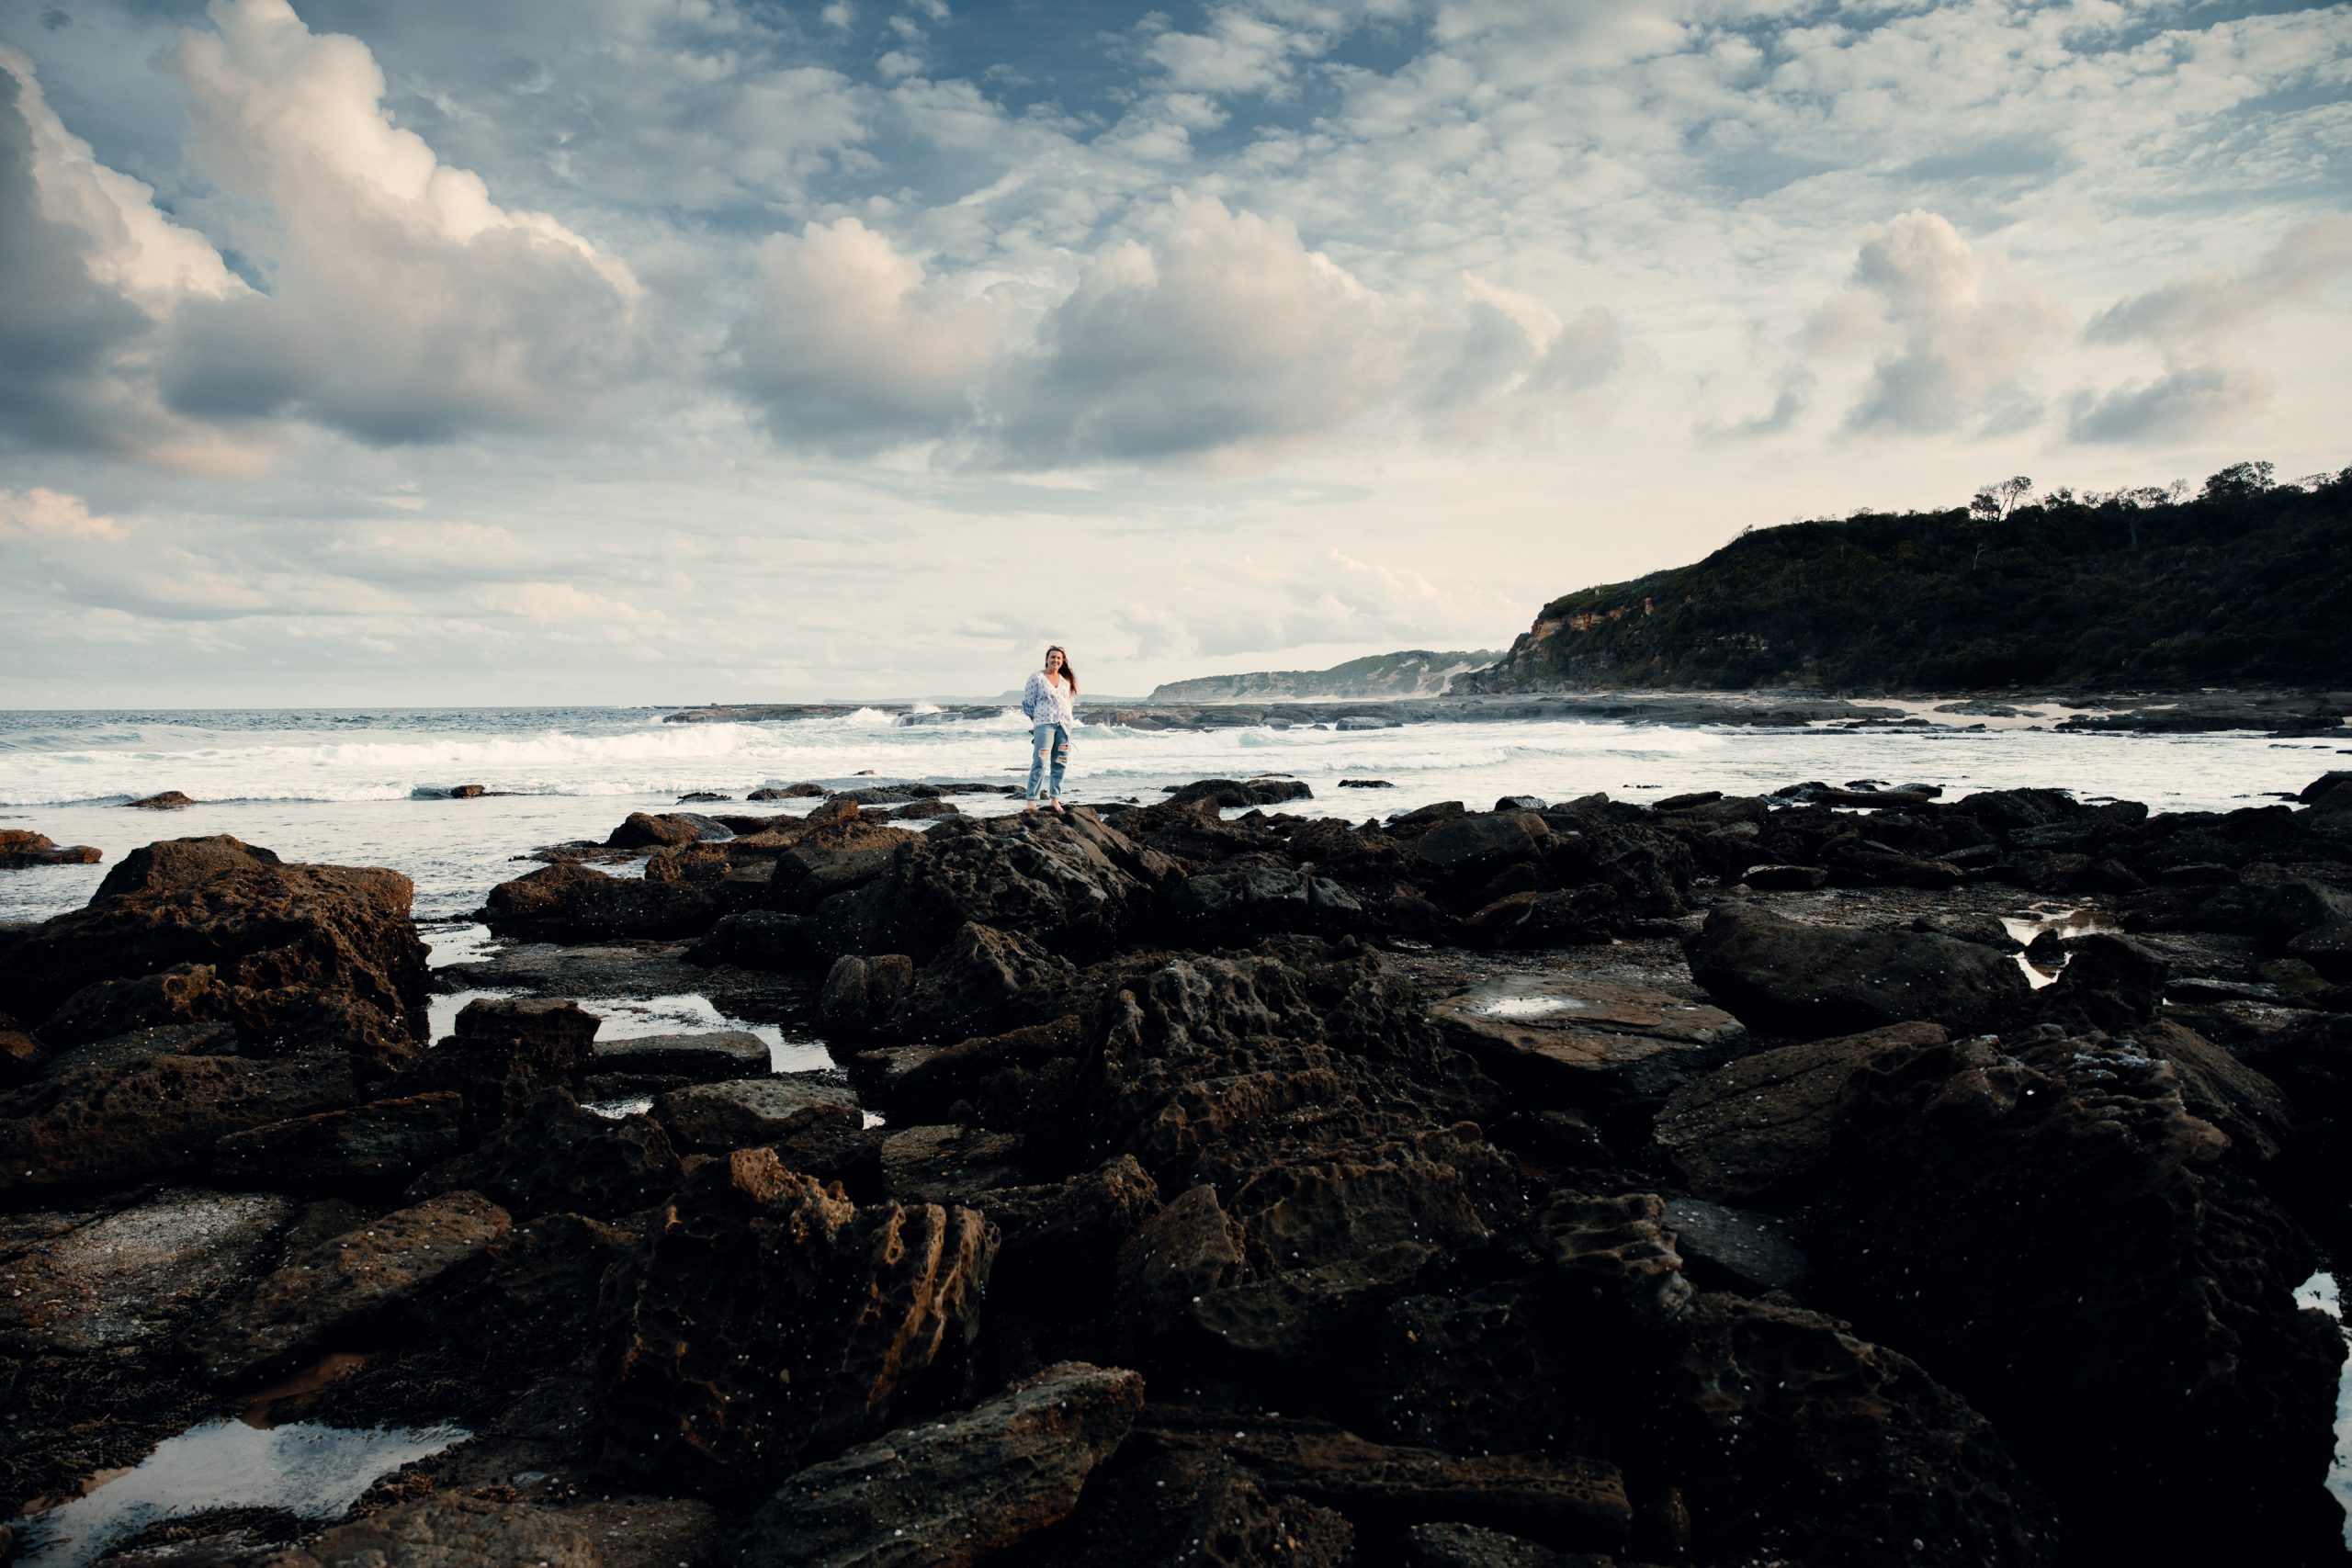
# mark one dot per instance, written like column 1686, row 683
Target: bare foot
column 1057, row 808
column 1031, row 807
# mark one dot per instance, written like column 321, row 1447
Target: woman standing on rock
column 1051, row 702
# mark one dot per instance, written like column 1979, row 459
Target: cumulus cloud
column 90, row 266
column 1226, row 335
column 849, row 346
column 403, row 304
column 2194, row 324
column 1220, row 335
column 1965, row 336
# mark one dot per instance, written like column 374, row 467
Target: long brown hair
column 1067, row 674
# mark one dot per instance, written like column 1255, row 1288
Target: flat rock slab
column 949, row 1164
column 949, row 1492
column 1579, row 1504
column 709, row 1056
column 92, row 1282
column 451, row 1532
column 744, row 1112
column 363, row 1271
column 384, row 1144
column 1567, row 1031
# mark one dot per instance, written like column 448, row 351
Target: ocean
column 356, row 786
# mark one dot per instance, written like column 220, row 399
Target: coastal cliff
column 2245, row 582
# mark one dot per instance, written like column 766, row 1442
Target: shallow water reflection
column 307, row 1470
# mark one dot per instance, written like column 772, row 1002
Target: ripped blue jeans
column 1048, row 742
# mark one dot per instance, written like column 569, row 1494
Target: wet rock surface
column 1852, row 1175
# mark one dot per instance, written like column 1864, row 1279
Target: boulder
column 450, row 1530
column 789, row 792
column 717, row 1117
column 300, row 957
column 1467, row 851
column 776, row 1323
column 1586, row 1042
column 951, row 1493
column 1232, row 903
column 1228, row 793
column 577, row 903
column 1755, row 1129
column 558, row 1158
column 761, row 939
column 861, row 994
column 1067, row 882
column 645, row 830
column 983, row 982
column 949, row 1164
column 504, row 1054
column 708, row 1056
column 380, row 1147
column 1734, row 1249
column 170, row 800
column 1161, row 1507
column 1800, row 980
column 1795, row 1440
column 152, row 1119
column 2110, row 983
column 385, row 1262
column 20, row 847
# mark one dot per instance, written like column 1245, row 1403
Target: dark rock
column 1985, row 930
column 717, row 1117
column 450, row 1530
column 302, row 956
column 1758, row 1127
column 789, row 792
column 96, row 1282
column 1365, row 784
column 708, row 1056
column 388, row 1262
column 1724, row 1248
column 1573, row 917
column 777, row 1323
column 2111, row 982
column 558, row 1157
column 19, row 849
column 1586, row 1042
column 1792, row 878
column 649, row 830
column 949, row 1164
column 1615, row 1251
column 982, row 982
column 379, row 1146
column 467, row 792
column 1168, row 1506
column 1579, row 1504
column 840, row 851
column 149, row 1119
column 1796, row 1440
column 577, row 903
column 171, row 799
column 950, row 1493
column 1788, row 978
column 761, row 939
column 2327, row 949
column 503, row 1055
column 1468, row 1546
column 1469, row 850
column 701, row 796
column 2330, row 791
column 1236, row 902
column 920, row 810
column 860, row 994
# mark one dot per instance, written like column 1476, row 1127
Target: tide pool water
column 343, row 787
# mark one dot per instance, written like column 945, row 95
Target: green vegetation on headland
column 2247, row 581
column 1414, row 673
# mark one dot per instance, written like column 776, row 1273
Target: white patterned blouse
column 1049, row 702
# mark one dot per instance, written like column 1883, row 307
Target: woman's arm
column 1030, row 692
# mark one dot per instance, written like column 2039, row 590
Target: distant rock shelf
column 2272, row 712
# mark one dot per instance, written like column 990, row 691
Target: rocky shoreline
column 2284, row 713
column 1844, row 1176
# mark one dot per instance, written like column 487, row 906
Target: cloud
column 1225, row 335
column 403, row 304
column 1792, row 396
column 848, row 346
column 2194, row 323
column 89, row 265
column 1966, row 336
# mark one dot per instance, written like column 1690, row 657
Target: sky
column 432, row 352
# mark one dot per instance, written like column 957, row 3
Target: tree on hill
column 2246, row 580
